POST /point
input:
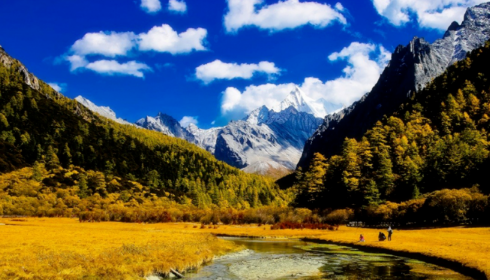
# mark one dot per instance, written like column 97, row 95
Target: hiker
column 390, row 232
column 361, row 238
column 381, row 236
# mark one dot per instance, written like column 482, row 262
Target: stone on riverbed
column 278, row 266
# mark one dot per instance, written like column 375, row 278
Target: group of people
column 381, row 236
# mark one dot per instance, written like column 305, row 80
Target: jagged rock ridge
column 264, row 140
column 410, row 69
column 29, row 78
column 166, row 125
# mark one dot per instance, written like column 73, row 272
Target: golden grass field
column 61, row 248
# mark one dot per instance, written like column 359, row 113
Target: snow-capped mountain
column 101, row 110
column 298, row 100
column 264, row 140
column 410, row 69
column 167, row 125
column 268, row 139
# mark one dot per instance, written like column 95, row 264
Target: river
column 296, row 259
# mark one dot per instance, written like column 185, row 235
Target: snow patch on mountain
column 101, row 110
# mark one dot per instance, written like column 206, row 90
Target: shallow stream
column 295, row 259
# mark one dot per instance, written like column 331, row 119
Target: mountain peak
column 167, row 125
column 192, row 127
column 298, row 100
column 258, row 115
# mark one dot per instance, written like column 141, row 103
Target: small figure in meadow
column 361, row 238
column 390, row 232
column 381, row 236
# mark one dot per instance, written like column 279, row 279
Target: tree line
column 44, row 128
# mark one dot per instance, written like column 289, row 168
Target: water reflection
column 295, row 259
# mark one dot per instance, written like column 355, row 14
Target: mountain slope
column 101, row 110
column 39, row 125
column 438, row 139
column 409, row 70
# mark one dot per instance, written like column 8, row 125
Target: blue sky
column 215, row 60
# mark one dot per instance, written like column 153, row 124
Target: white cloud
column 286, row 14
column 236, row 104
column 76, row 61
column 59, row 87
column 113, row 44
column 221, row 70
column 159, row 38
column 112, row 67
column 151, row 6
column 365, row 63
column 165, row 39
column 339, row 7
column 109, row 44
column 436, row 14
column 187, row 120
column 360, row 75
column 177, row 6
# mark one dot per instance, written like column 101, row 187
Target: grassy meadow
column 62, row 248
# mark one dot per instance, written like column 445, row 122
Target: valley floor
column 61, row 248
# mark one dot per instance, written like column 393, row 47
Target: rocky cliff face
column 266, row 140
column 205, row 138
column 167, row 125
column 29, row 78
column 410, row 69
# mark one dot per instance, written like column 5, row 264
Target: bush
column 337, row 217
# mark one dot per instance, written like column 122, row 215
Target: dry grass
column 52, row 248
column 66, row 249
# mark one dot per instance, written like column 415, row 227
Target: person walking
column 390, row 232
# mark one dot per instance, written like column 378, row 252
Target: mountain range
column 267, row 141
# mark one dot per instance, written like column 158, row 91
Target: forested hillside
column 438, row 139
column 39, row 127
